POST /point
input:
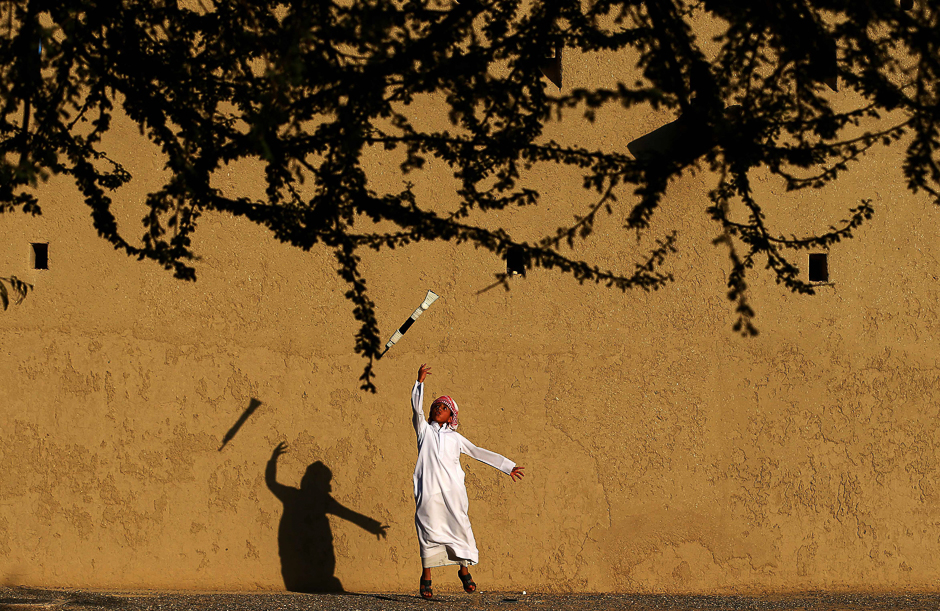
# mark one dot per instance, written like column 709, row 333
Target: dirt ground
column 27, row 599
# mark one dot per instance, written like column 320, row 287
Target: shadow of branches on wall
column 315, row 94
column 304, row 537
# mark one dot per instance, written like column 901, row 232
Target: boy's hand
column 423, row 372
column 517, row 473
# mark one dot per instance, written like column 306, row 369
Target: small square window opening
column 819, row 267
column 40, row 256
column 516, row 261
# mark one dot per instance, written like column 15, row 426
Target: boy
column 441, row 502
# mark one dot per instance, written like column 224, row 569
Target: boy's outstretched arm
column 491, row 458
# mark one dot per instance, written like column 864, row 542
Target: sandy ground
column 27, row 599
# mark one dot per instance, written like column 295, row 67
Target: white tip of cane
column 431, row 298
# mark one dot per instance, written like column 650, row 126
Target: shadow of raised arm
column 281, row 491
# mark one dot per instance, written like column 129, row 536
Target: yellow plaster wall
column 664, row 453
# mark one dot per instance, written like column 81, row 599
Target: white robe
column 440, row 495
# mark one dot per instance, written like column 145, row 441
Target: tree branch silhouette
column 307, row 88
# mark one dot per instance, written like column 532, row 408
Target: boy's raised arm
column 417, row 400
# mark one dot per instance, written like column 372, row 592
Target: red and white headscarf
column 452, row 406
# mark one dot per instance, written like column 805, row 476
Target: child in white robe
column 441, row 502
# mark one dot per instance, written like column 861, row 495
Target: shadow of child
column 304, row 538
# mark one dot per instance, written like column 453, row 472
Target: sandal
column 426, row 591
column 468, row 586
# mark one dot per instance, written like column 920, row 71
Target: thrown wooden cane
column 431, row 298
